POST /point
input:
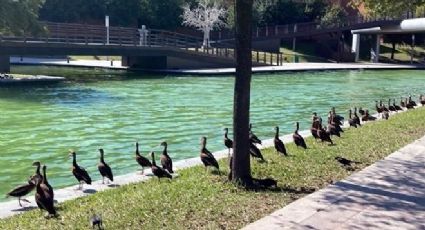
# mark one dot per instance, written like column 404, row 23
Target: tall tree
column 20, row 17
column 389, row 7
column 241, row 166
column 205, row 17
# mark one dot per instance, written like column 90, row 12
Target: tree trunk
column 241, row 167
column 206, row 42
column 393, row 51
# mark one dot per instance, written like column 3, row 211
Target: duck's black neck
column 165, row 150
column 37, row 171
column 74, row 159
column 153, row 159
column 102, row 159
column 277, row 133
column 203, row 144
column 137, row 150
column 44, row 175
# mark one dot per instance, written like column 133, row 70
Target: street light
column 107, row 29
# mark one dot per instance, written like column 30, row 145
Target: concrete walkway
column 64, row 62
column 217, row 71
column 390, row 194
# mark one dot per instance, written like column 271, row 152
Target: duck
column 37, row 175
column 378, row 108
column 96, row 221
column 314, row 126
column 166, row 161
column 298, row 139
column 391, row 107
column 43, row 195
column 252, row 136
column 324, row 135
column 402, row 103
column 383, row 106
column 356, row 117
column 141, row 160
column 361, row 111
column 335, row 123
column 104, row 168
column 21, row 191
column 398, row 108
column 79, row 172
column 368, row 117
column 333, row 128
column 316, row 118
column 207, row 157
column 255, row 151
column 422, row 99
column 45, row 182
column 385, row 115
column 337, row 119
column 158, row 171
column 227, row 141
column 278, row 143
column 408, row 105
column 412, row 102
column 351, row 121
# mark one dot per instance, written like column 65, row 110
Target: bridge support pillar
column 157, row 62
column 375, row 50
column 4, row 64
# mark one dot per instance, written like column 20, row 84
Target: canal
column 113, row 111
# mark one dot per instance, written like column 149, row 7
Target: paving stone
column 389, row 194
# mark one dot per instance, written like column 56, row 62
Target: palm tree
column 241, row 168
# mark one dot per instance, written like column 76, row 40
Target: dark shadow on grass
column 90, row 191
column 113, row 185
column 23, row 209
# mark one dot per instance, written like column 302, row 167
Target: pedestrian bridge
column 152, row 49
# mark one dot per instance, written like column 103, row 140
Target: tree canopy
column 19, row 17
column 389, row 7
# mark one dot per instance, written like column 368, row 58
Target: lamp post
column 107, row 29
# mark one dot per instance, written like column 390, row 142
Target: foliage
column 379, row 8
column 20, row 17
column 201, row 200
column 206, row 16
column 152, row 13
column 334, row 16
column 289, row 11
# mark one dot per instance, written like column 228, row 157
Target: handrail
column 298, row 28
column 85, row 35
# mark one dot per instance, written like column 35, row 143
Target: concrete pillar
column 294, row 41
column 4, row 64
column 413, row 49
column 155, row 62
column 355, row 47
column 375, row 49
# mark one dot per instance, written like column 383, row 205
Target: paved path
column 218, row 71
column 389, row 194
column 64, row 62
column 302, row 67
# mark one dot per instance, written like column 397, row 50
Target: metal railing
column 85, row 35
column 311, row 27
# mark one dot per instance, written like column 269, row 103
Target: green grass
column 305, row 51
column 200, row 200
column 402, row 53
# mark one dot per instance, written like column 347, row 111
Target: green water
column 44, row 122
